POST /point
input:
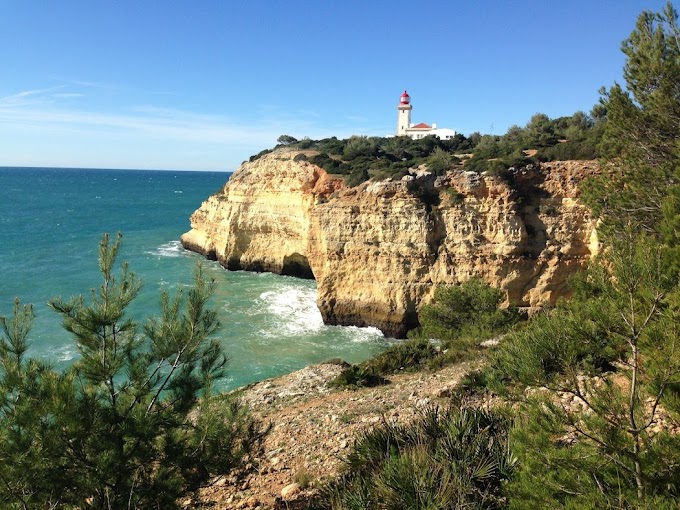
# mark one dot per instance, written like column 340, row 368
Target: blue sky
column 202, row 85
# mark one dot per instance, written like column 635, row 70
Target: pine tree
column 599, row 378
column 640, row 140
column 605, row 373
column 136, row 422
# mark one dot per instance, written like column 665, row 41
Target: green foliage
column 554, row 471
column 605, row 368
column 286, row 140
column 613, row 352
column 471, row 308
column 363, row 158
column 453, row 459
column 570, row 150
column 574, row 336
column 440, row 161
column 563, row 138
column 124, row 427
column 454, row 195
column 408, row 355
column 357, row 376
column 640, row 138
column 540, row 132
column 459, row 318
column 257, row 156
column 357, row 176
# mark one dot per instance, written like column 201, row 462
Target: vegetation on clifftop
column 361, row 158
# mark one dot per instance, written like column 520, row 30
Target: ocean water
column 51, row 222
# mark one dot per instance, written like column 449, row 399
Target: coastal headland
column 378, row 250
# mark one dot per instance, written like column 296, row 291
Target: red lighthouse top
column 405, row 98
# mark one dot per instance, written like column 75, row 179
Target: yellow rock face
column 378, row 251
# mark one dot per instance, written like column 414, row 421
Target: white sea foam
column 294, row 310
column 64, row 353
column 361, row 335
column 295, row 314
column 170, row 249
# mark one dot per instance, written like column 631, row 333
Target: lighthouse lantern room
column 404, row 116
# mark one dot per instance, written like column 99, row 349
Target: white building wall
column 441, row 133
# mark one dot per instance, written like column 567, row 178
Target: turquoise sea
column 51, row 221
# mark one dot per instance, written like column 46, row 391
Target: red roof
column 422, row 125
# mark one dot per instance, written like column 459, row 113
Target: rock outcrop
column 377, row 251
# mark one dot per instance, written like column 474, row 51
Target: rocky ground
column 313, row 428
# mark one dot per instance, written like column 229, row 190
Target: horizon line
column 5, row 167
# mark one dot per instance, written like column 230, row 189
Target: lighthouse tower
column 404, row 114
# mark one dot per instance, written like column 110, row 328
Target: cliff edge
column 377, row 251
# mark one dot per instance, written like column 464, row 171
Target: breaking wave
column 292, row 311
column 170, row 249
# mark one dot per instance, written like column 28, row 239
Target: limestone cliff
column 377, row 251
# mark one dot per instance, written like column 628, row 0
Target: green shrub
column 458, row 458
column 600, row 368
column 572, row 335
column 357, row 376
column 407, row 355
column 260, row 154
column 305, row 143
column 455, row 196
column 471, row 307
column 460, row 317
column 357, row 176
column 567, row 151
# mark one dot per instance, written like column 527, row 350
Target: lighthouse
column 404, row 114
column 417, row 131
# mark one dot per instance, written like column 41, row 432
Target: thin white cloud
column 26, row 96
column 43, row 119
column 40, row 114
column 66, row 95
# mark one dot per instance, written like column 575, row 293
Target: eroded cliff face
column 261, row 219
column 379, row 250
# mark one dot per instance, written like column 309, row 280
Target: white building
column 417, row 131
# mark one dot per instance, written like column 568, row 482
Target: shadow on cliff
column 526, row 184
column 297, row 265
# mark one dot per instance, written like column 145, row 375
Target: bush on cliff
column 135, row 422
column 408, row 355
column 563, row 138
column 470, row 308
column 462, row 316
column 361, row 158
column 458, row 319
